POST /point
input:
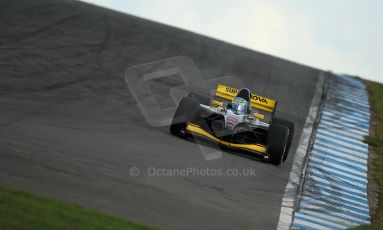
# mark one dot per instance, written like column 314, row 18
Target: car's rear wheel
column 290, row 125
column 201, row 99
column 185, row 112
column 277, row 143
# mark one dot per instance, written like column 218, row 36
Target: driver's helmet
column 239, row 105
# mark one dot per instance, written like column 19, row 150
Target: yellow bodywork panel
column 256, row 101
column 196, row 129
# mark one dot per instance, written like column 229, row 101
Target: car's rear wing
column 259, row 102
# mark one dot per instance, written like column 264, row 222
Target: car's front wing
column 196, row 129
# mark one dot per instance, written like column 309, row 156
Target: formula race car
column 232, row 119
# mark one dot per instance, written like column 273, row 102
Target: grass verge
column 375, row 91
column 21, row 210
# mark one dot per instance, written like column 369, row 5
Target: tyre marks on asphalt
column 72, row 128
column 334, row 195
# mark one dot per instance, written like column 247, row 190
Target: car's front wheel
column 290, row 125
column 277, row 143
column 185, row 112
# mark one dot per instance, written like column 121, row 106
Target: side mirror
column 217, row 103
column 259, row 116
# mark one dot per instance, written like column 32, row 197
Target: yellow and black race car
column 233, row 119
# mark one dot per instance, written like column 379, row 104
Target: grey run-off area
column 71, row 129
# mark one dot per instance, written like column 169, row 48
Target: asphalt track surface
column 70, row 128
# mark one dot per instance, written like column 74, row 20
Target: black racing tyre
column 200, row 99
column 276, row 143
column 290, row 125
column 185, row 112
